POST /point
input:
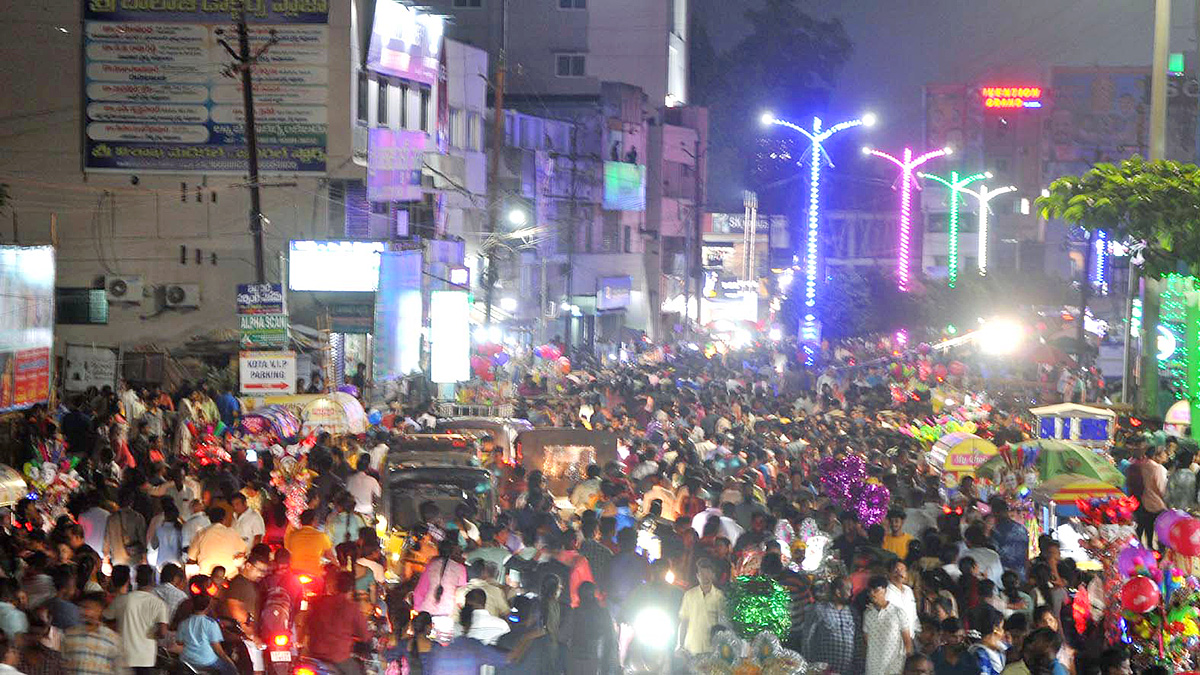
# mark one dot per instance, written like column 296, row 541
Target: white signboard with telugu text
column 264, row 373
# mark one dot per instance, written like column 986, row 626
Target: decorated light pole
column 817, row 136
column 954, row 184
column 985, row 195
column 906, row 165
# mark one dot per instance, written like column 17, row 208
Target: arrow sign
column 267, row 371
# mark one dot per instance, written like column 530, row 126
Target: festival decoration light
column 906, row 165
column 954, row 184
column 1099, row 272
column 985, row 195
column 817, row 136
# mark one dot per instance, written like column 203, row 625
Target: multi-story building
column 368, row 129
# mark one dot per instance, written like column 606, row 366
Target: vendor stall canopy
column 960, row 453
column 1082, row 424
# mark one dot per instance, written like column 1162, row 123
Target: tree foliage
column 1153, row 202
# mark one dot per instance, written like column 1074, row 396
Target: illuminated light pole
column 1099, row 271
column 817, row 136
column 954, row 184
column 906, row 166
column 984, row 196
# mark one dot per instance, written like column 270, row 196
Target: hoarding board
column 156, row 98
column 624, row 186
column 405, row 42
column 449, row 337
column 90, row 366
column 399, row 315
column 334, row 265
column 27, row 327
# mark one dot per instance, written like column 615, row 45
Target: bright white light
column 869, row 120
column 565, row 306
column 517, row 217
column 866, row 150
column 480, row 333
column 669, row 577
column 494, row 333
column 1001, row 336
column 767, row 119
column 508, row 304
column 987, row 174
column 1024, row 206
column 814, row 552
column 742, row 338
column 1167, row 344
column 775, row 334
column 654, row 628
column 948, row 150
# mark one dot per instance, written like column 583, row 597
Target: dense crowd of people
column 160, row 561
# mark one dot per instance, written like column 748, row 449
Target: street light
column 517, row 217
column 955, row 184
column 984, row 196
column 906, row 166
column 817, row 136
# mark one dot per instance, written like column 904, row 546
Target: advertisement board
column 262, row 316
column 334, row 265
column 27, row 328
column 267, row 372
column 394, row 162
column 399, row 315
column 89, row 366
column 624, row 186
column 613, row 292
column 1100, row 114
column 449, row 337
column 405, row 42
column 156, row 98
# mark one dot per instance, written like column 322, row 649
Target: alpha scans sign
column 1007, row 98
column 267, row 372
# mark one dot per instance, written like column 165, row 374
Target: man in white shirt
column 700, row 610
column 93, row 522
column 217, row 545
column 363, row 487
column 247, row 522
column 987, row 559
column 900, row 594
column 141, row 618
column 197, row 521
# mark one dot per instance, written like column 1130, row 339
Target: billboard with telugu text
column 27, row 330
column 159, row 96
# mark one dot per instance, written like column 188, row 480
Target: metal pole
column 1158, row 80
column 256, row 226
column 1127, row 358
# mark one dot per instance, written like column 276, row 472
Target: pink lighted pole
column 907, row 166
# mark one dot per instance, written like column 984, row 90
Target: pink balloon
column 1133, row 557
column 1184, row 536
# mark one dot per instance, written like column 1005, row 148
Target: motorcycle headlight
column 653, row 627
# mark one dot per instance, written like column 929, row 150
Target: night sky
column 901, row 45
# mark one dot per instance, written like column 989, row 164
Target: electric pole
column 494, row 209
column 244, row 63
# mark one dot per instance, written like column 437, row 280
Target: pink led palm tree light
column 907, row 166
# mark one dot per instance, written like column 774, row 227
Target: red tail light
column 281, row 640
column 303, row 671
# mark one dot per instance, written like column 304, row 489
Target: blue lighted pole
column 817, row 136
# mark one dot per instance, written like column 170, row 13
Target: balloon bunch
column 292, row 476
column 1169, row 636
column 51, row 474
column 931, row 430
column 209, row 450
column 844, row 481
column 1180, row 531
column 1109, row 510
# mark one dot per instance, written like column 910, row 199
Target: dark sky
column 901, row 45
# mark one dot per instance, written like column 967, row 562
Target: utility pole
column 244, row 63
column 570, row 276
column 494, row 209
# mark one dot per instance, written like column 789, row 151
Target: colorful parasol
column 1066, row 488
column 1049, row 459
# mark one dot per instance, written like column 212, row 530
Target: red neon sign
column 1011, row 97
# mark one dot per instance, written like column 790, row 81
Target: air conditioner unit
column 123, row 288
column 181, row 296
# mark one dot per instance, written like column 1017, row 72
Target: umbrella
column 960, row 453
column 1050, row 458
column 1066, row 488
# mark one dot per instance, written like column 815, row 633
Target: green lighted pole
column 955, row 185
column 1191, row 301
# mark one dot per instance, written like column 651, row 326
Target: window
column 570, row 65
column 473, row 122
column 469, row 4
column 455, row 132
column 571, row 4
column 425, row 108
column 361, row 111
column 404, row 106
column 629, row 240
column 381, row 105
